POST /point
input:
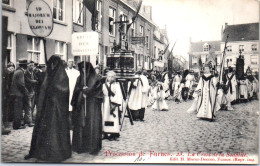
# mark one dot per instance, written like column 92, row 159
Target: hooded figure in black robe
column 87, row 131
column 51, row 134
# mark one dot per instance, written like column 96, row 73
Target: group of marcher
column 91, row 105
column 212, row 95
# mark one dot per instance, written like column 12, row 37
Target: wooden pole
column 85, row 83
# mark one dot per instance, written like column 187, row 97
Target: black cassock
column 51, row 134
column 87, row 126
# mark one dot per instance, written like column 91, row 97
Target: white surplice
column 207, row 90
column 72, row 75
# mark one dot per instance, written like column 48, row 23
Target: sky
column 200, row 19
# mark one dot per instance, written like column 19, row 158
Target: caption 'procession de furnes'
column 71, row 104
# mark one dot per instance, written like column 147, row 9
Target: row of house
column 69, row 17
column 243, row 40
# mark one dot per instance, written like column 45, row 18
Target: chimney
column 148, row 11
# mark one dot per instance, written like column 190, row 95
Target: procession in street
column 84, row 102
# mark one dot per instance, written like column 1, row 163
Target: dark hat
column 22, row 61
column 230, row 69
column 10, row 64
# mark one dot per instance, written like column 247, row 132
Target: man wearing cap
column 30, row 83
column 20, row 93
column 73, row 75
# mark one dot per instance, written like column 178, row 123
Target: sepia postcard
column 130, row 81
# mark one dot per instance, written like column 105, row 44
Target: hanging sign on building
column 40, row 18
column 85, row 43
column 137, row 40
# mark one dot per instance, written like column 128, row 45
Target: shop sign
column 40, row 18
column 137, row 40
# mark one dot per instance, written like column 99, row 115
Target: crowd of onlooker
column 21, row 88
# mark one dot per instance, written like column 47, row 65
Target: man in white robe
column 112, row 100
column 145, row 89
column 177, row 82
column 232, row 86
column 135, row 97
column 72, row 75
column 206, row 90
column 189, row 82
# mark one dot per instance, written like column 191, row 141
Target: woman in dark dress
column 87, row 131
column 51, row 134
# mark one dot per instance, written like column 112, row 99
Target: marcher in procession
column 166, row 81
column 87, row 119
column 135, row 98
column 72, row 75
column 243, row 89
column 177, row 82
column 232, row 87
column 145, row 90
column 112, row 102
column 189, row 82
column 20, row 93
column 51, row 134
column 206, row 90
column 159, row 98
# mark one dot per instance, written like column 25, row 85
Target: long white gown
column 243, row 90
column 145, row 89
column 72, row 75
column 111, row 123
column 135, row 98
column 232, row 95
column 206, row 87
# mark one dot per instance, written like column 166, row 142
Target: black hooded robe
column 51, row 134
column 87, row 130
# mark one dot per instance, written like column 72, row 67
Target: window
column 77, row 12
column 112, row 14
column 229, row 48
column 205, row 47
column 254, row 59
column 254, row 47
column 58, row 10
column 194, row 60
column 218, row 60
column 154, row 52
column 133, row 29
column 229, row 61
column 139, row 59
column 7, row 2
column 141, row 30
column 60, row 49
column 33, row 49
column 241, row 48
column 147, row 39
column 145, row 58
column 9, row 47
column 99, row 15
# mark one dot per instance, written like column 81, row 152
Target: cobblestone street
column 163, row 132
